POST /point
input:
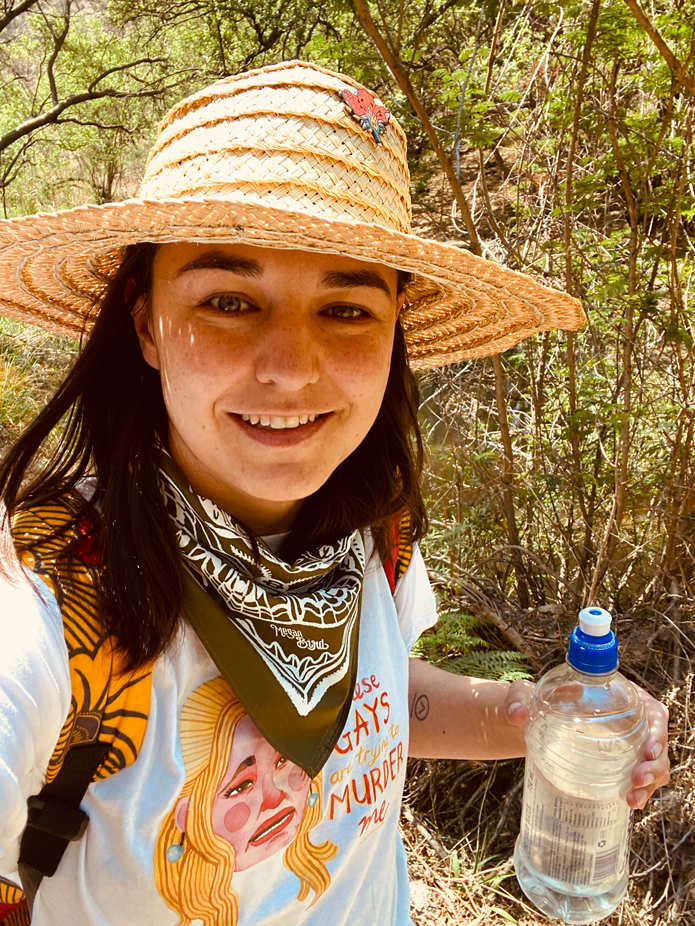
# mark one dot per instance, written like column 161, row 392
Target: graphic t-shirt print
column 371, row 755
column 242, row 802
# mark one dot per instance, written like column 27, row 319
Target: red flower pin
column 88, row 548
column 366, row 110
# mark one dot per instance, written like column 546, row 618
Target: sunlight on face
column 273, row 363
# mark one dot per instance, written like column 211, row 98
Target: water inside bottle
column 583, row 739
column 571, row 857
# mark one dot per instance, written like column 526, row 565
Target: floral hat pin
column 372, row 117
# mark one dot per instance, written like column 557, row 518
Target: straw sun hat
column 288, row 156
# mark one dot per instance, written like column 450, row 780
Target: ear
column 400, row 302
column 181, row 813
column 143, row 329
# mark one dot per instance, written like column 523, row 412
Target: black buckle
column 57, row 819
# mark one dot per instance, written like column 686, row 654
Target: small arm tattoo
column 419, row 706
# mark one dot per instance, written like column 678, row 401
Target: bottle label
column 578, row 842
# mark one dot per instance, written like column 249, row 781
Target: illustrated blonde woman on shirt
column 241, row 803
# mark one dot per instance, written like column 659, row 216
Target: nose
column 288, row 354
column 272, row 795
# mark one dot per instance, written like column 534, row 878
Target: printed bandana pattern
column 298, row 618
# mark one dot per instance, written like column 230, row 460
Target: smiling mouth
column 274, row 826
column 276, row 423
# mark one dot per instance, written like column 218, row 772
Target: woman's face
column 273, row 363
column 262, row 799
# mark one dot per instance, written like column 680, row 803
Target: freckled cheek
column 201, row 362
column 237, row 817
column 366, row 373
column 367, row 396
column 297, row 779
column 195, row 379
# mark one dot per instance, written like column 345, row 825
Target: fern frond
column 452, row 644
column 505, row 665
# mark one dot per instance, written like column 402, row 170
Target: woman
column 235, row 495
column 241, row 803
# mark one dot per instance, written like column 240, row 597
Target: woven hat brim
column 54, row 268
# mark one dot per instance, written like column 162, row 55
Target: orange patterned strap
column 401, row 551
column 13, row 907
column 405, row 545
column 59, row 543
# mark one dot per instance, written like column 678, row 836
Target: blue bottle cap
column 593, row 647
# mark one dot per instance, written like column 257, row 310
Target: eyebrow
column 245, row 764
column 218, row 260
column 346, row 279
column 243, row 266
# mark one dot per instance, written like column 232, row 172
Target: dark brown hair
column 114, row 418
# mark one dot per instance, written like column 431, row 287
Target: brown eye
column 230, row 303
column 240, row 788
column 345, row 311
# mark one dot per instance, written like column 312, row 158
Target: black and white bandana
column 300, row 621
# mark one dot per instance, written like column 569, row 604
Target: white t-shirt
column 350, row 864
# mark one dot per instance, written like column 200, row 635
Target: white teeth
column 278, row 423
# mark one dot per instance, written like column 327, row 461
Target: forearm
column 454, row 717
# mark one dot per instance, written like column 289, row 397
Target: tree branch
column 569, row 276
column 481, row 152
column 681, row 73
column 124, row 67
column 13, row 13
column 58, row 41
column 507, row 484
column 14, row 164
column 52, row 115
column 403, row 81
column 105, row 127
column 429, row 19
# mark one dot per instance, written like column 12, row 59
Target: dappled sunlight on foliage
column 33, row 363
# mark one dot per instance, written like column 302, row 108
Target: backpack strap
column 401, row 551
column 55, row 818
column 106, row 723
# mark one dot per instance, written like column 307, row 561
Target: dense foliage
column 572, row 138
column 573, row 141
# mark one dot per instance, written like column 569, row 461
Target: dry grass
column 33, row 362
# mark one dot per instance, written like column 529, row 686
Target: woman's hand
column 651, row 773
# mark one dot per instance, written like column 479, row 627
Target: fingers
column 646, row 778
column 516, row 702
column 657, row 718
column 653, row 771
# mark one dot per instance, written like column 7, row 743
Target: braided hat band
column 280, row 157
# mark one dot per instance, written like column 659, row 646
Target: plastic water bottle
column 584, row 735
